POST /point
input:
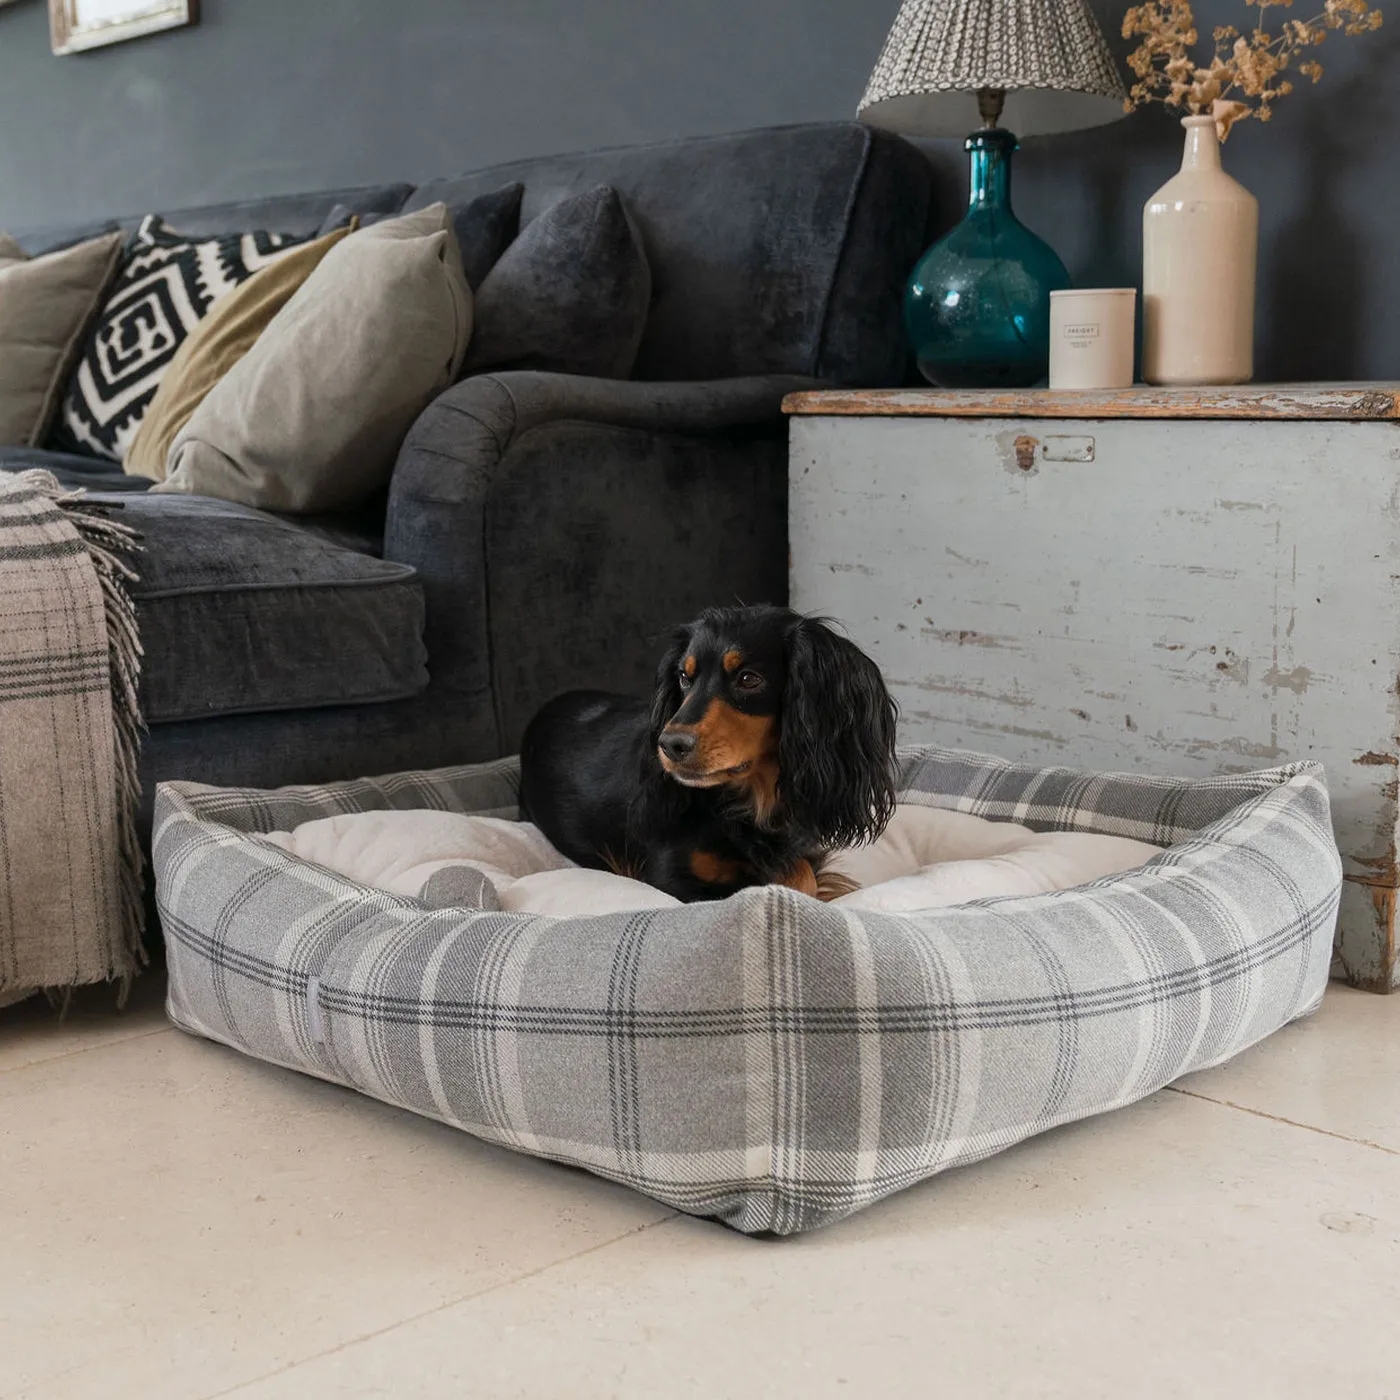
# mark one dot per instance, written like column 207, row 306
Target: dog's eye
column 683, row 679
column 749, row 680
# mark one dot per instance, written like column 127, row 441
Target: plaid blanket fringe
column 109, row 544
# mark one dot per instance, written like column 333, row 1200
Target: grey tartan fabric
column 767, row 1060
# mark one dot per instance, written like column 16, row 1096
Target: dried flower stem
column 1250, row 65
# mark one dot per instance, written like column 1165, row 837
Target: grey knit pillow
column 570, row 295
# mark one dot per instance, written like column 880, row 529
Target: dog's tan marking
column 726, row 737
column 689, row 666
column 733, row 660
column 762, row 784
column 801, row 879
column 713, row 869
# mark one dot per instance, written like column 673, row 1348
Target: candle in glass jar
column 1091, row 338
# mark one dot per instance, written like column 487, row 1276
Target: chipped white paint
column 1200, row 597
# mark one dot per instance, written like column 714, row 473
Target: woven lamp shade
column 1049, row 57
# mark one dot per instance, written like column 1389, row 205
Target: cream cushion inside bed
column 927, row 858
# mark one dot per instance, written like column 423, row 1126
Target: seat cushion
column 241, row 611
column 361, row 530
column 72, row 469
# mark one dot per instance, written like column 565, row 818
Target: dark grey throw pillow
column 485, row 227
column 339, row 217
column 570, row 295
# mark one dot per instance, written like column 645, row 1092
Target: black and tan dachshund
column 768, row 743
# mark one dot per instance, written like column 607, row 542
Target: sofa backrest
column 299, row 214
column 778, row 251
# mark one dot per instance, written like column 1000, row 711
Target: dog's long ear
column 836, row 750
column 666, row 699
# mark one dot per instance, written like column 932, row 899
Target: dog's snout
column 677, row 745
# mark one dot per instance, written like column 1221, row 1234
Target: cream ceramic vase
column 1200, row 236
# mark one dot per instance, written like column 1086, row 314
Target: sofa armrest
column 476, row 420
column 560, row 524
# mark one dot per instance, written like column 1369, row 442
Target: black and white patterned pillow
column 165, row 287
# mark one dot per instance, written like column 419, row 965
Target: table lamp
column 977, row 308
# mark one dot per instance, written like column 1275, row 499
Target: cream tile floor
column 177, row 1221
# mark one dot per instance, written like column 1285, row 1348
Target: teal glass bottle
column 977, row 307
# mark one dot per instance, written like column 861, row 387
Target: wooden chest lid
column 1366, row 402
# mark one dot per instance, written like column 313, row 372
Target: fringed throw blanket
column 71, row 905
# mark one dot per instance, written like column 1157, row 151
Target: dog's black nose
column 678, row 746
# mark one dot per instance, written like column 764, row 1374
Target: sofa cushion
column 485, row 227
column 241, row 611
column 165, row 287
column 312, row 417
column 569, row 296
column 360, row 530
column 46, row 304
column 215, row 345
column 73, row 470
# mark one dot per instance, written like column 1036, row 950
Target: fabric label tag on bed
column 315, row 1021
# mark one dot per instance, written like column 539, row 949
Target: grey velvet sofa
column 540, row 531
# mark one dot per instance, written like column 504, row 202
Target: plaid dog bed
column 767, row 1060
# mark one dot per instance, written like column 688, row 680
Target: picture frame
column 76, row 25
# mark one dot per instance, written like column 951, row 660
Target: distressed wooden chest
column 1181, row 581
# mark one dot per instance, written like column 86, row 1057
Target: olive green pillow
column 215, row 345
column 312, row 417
column 46, row 305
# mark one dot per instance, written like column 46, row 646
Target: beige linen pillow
column 214, row 346
column 46, row 306
column 312, row 417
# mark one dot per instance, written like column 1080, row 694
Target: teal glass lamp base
column 977, row 307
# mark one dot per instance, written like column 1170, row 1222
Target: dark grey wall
column 274, row 95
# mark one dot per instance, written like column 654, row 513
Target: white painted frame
column 76, row 25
